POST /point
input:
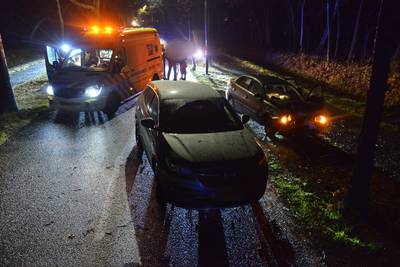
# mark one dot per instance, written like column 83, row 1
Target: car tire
column 138, row 141
column 112, row 105
column 160, row 196
column 269, row 128
column 232, row 103
column 155, row 77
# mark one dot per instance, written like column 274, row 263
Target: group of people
column 173, row 65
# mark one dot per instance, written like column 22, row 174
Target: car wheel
column 269, row 128
column 160, row 196
column 112, row 105
column 232, row 103
column 138, row 141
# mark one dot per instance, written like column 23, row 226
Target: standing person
column 164, row 57
column 183, row 66
column 171, row 65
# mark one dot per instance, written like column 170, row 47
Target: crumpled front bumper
column 191, row 192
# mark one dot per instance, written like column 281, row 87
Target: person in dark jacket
column 171, row 65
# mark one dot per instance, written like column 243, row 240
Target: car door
column 153, row 133
column 255, row 98
column 272, row 101
column 241, row 94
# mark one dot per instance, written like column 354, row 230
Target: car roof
column 268, row 79
column 183, row 90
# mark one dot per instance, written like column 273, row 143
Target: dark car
column 277, row 104
column 201, row 154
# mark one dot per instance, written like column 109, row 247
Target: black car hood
column 213, row 147
column 76, row 79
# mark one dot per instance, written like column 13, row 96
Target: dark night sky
column 19, row 18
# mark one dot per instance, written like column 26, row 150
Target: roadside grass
column 315, row 211
column 19, row 56
column 31, row 101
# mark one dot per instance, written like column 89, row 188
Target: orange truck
column 101, row 67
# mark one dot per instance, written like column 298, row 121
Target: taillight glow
column 321, row 119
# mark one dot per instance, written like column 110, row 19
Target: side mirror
column 148, row 123
column 56, row 65
column 315, row 99
column 258, row 96
column 245, row 119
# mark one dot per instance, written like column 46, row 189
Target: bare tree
column 328, row 29
column 7, row 99
column 303, row 2
column 355, row 32
column 292, row 38
column 386, row 42
column 60, row 17
column 95, row 7
column 337, row 16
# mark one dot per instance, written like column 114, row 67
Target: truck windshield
column 90, row 59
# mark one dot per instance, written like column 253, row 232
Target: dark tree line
column 337, row 29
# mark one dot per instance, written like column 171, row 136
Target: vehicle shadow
column 211, row 247
column 76, row 120
column 170, row 235
column 150, row 221
column 316, row 149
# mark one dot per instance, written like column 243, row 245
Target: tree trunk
column 355, row 32
column 385, row 46
column 328, row 28
column 7, row 99
column 292, row 38
column 267, row 30
column 60, row 17
column 337, row 15
column 302, row 25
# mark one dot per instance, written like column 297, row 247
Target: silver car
column 201, row 154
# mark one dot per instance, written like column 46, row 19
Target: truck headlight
column 50, row 90
column 93, row 91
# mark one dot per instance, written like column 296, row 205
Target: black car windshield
column 198, row 116
column 89, row 59
column 282, row 92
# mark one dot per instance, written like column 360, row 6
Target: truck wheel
column 155, row 77
column 112, row 105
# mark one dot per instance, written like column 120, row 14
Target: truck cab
column 101, row 67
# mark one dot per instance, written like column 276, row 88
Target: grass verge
column 31, row 102
column 316, row 212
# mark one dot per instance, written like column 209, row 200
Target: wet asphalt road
column 74, row 191
column 27, row 72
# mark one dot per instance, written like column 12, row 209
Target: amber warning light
column 99, row 30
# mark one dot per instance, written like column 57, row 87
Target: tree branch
column 76, row 2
